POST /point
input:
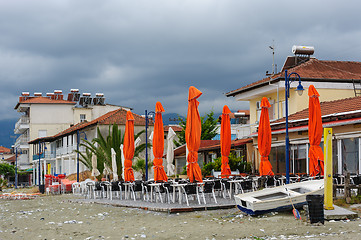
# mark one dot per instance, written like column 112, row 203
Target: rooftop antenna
column 273, row 56
column 273, row 59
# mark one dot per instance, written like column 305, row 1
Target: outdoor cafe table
column 230, row 186
column 127, row 188
column 152, row 186
column 179, row 186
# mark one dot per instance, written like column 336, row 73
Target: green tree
column 209, row 128
column 7, row 169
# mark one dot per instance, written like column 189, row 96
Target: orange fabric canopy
column 315, row 132
column 128, row 147
column 193, row 135
column 158, row 145
column 225, row 141
column 264, row 139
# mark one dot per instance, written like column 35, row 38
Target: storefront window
column 350, row 155
column 300, row 158
column 277, row 159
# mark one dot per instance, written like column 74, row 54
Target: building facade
column 334, row 80
column 43, row 116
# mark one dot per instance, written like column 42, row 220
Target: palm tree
column 103, row 150
column 139, row 166
column 86, row 158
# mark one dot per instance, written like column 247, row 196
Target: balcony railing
column 68, row 149
column 245, row 130
column 21, row 124
column 22, row 140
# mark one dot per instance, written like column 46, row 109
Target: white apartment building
column 60, row 157
column 43, row 116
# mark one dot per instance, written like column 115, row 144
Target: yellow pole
column 327, row 146
column 49, row 168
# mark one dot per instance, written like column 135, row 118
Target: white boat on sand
column 278, row 198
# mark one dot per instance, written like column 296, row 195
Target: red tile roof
column 314, row 69
column 11, row 159
column 208, row 145
column 234, row 143
column 42, row 100
column 328, row 108
column 175, row 128
column 4, row 149
column 204, row 143
column 332, row 110
column 117, row 116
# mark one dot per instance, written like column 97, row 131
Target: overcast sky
column 139, row 52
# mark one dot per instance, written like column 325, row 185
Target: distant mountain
column 171, row 118
column 7, row 136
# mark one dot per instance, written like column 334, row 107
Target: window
column 258, row 110
column 299, row 158
column 82, row 117
column 350, row 155
column 277, row 159
column 283, row 109
column 42, row 133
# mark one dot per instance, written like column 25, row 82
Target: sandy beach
column 59, row 217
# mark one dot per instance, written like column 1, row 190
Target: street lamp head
column 299, row 89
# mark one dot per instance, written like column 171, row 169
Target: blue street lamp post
column 146, row 142
column 39, row 165
column 77, row 148
column 16, row 168
column 299, row 90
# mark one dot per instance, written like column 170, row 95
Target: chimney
column 50, row 95
column 24, row 96
column 99, row 99
column 58, row 94
column 85, row 100
column 38, row 94
column 73, row 95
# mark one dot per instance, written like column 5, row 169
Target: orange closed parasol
column 225, row 141
column 158, row 145
column 128, row 148
column 193, row 135
column 315, row 132
column 264, row 139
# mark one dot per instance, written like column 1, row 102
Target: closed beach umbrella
column 170, row 151
column 193, row 135
column 315, row 132
column 225, row 141
column 158, row 144
column 128, row 148
column 264, row 139
column 151, row 149
column 122, row 155
column 114, row 165
column 95, row 171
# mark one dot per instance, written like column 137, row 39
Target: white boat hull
column 278, row 198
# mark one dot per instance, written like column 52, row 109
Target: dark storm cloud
column 140, row 52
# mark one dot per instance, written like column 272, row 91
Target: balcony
column 22, row 142
column 244, row 131
column 68, row 150
column 46, row 155
column 22, row 125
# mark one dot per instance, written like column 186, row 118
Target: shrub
column 234, row 163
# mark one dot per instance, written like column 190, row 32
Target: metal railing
column 245, row 130
column 22, row 140
column 22, row 121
